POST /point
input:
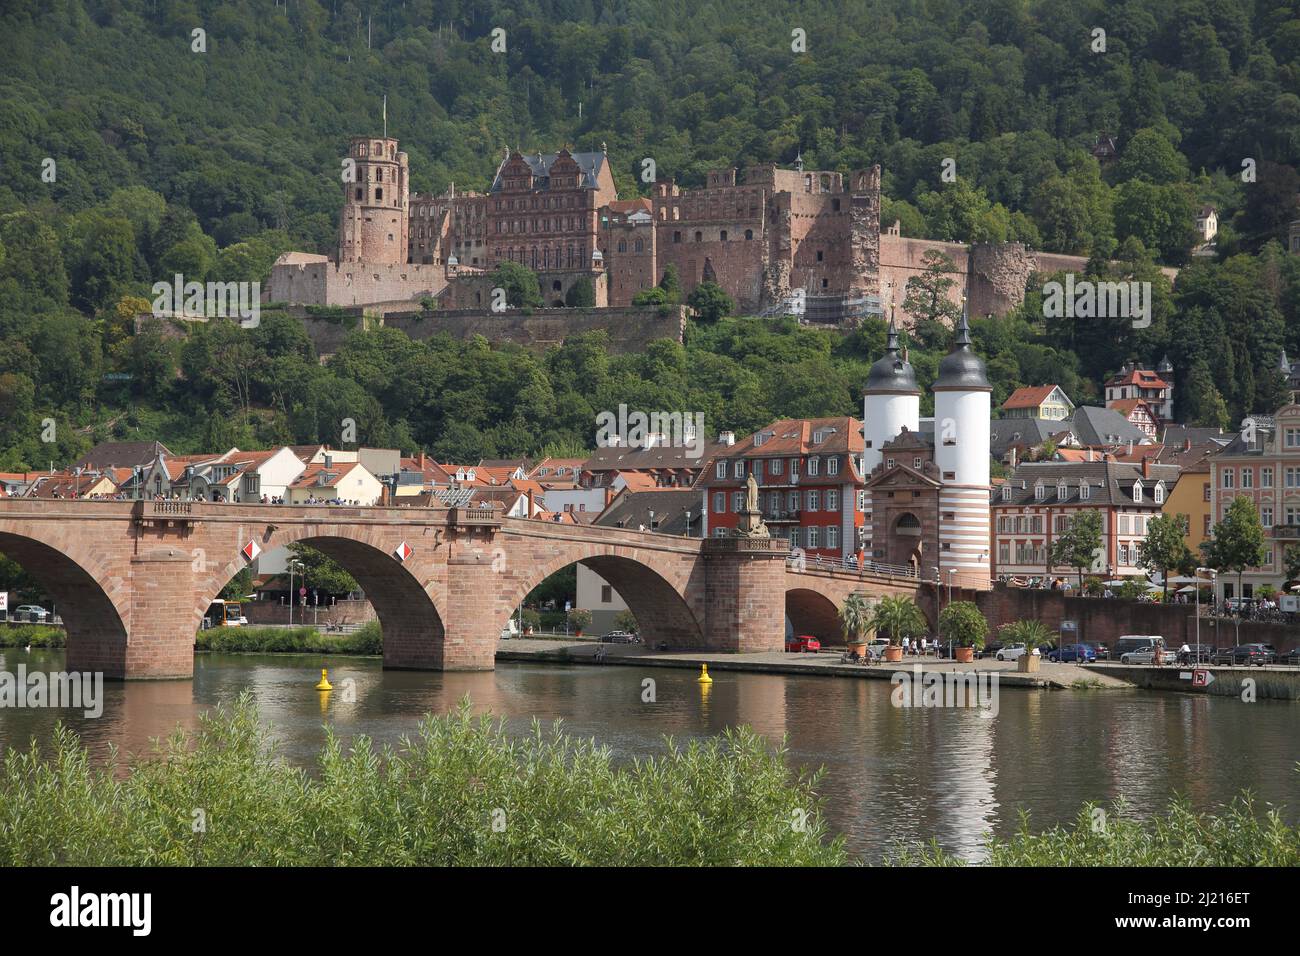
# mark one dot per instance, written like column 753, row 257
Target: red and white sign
column 403, row 551
column 1201, row 677
column 250, row 550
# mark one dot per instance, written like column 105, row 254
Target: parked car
column 1134, row 642
column 1257, row 654
column 1102, row 651
column 1068, row 653
column 30, row 612
column 1009, row 652
column 1197, row 654
column 876, row 648
column 620, row 637
column 1143, row 655
column 991, row 650
column 804, row 642
column 1222, row 656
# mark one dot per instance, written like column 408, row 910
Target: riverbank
column 1050, row 677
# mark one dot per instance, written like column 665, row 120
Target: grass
column 37, row 635
column 459, row 793
column 291, row 640
column 1237, row 835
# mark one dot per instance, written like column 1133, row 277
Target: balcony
column 781, row 517
column 1289, row 532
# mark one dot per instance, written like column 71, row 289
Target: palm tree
column 898, row 617
column 855, row 618
column 1030, row 633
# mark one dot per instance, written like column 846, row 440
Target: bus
column 224, row 614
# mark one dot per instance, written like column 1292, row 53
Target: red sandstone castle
column 785, row 240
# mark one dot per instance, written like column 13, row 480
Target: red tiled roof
column 1031, row 396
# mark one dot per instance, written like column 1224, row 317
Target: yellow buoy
column 324, row 680
column 704, row 677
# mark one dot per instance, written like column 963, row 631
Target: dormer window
column 1040, row 491
column 721, row 470
column 1158, row 493
column 1006, row 492
column 1085, row 491
column 1137, row 492
column 739, row 470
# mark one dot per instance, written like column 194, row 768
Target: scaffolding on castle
column 825, row 309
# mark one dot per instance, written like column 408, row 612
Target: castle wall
column 474, row 290
column 352, row 283
column 630, row 329
column 712, row 225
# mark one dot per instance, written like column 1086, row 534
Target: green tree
column 898, row 617
column 927, row 297
column 711, row 302
column 520, row 285
column 855, row 618
column 321, row 573
column 581, row 295
column 1165, row 548
column 1237, row 542
column 964, row 624
column 1079, row 545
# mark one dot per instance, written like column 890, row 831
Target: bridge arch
column 812, row 612
column 656, row 592
column 414, row 633
column 92, row 604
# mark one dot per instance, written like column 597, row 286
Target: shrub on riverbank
column 1238, row 835
column 37, row 635
column 291, row 640
column 459, row 793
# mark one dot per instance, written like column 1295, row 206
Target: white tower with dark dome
column 962, row 412
column 891, row 401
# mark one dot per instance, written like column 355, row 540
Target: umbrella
column 1187, row 590
column 1183, row 579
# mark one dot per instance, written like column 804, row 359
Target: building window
column 1293, row 438
column 1248, row 477
column 721, row 469
column 737, row 501
column 832, row 537
column 1230, row 476
column 1207, row 491
column 606, row 594
column 774, row 466
column 719, row 502
column 1006, row 492
column 812, row 466
column 792, row 501
column 1159, row 494
column 832, row 500
column 1040, row 492
column 812, row 500
column 739, row 470
column 1085, row 491
column 1265, row 479
column 832, row 466
column 1266, row 516
column 1137, row 493
column 1292, row 478
column 812, row 537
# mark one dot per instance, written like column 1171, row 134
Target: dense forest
column 133, row 147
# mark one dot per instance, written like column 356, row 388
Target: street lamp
column 688, row 522
column 1213, row 574
column 295, row 561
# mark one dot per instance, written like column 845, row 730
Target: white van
column 1127, row 643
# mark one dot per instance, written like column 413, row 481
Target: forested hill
column 166, row 159
column 255, row 127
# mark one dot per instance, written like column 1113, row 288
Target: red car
column 802, row 643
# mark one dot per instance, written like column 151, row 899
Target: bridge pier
column 745, row 586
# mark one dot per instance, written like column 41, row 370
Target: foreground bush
column 37, row 635
column 291, row 640
column 1236, row 836
column 432, row 800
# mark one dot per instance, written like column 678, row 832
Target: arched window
column 622, row 245
column 640, row 245
column 749, row 233
column 723, row 235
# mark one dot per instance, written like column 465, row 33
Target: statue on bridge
column 751, row 524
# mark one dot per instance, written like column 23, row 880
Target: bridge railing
column 851, row 566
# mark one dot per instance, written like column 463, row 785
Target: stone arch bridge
column 132, row 580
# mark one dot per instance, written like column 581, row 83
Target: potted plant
column 531, row 619
column 855, row 618
column 1030, row 633
column 897, row 617
column 965, row 625
column 579, row 620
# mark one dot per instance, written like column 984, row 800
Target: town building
column 809, row 476
column 1047, row 402
column 1040, row 499
column 1153, row 386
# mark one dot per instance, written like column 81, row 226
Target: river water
column 951, row 774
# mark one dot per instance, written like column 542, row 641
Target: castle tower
column 891, row 401
column 962, row 410
column 374, row 223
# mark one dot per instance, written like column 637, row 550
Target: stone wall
column 274, row 612
column 1106, row 619
column 318, row 281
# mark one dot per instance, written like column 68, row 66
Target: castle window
column 749, row 233
column 640, row 245
column 723, row 235
column 835, row 205
column 677, row 237
column 379, row 175
column 622, row 245
column 379, row 194
column 820, row 255
column 360, row 194
column 699, row 236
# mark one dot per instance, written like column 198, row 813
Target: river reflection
column 891, row 774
